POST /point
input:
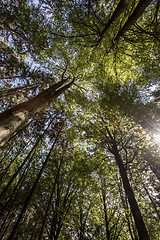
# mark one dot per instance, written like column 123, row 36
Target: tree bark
column 125, row 206
column 12, row 119
column 140, row 225
column 138, row 11
column 120, row 8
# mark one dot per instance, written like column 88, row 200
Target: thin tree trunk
column 25, row 206
column 7, row 208
column 138, row 11
column 49, row 203
column 82, row 226
column 12, row 119
column 6, row 154
column 5, row 27
column 24, row 162
column 2, row 174
column 15, row 91
column 16, row 189
column 55, row 220
column 153, row 162
column 46, row 213
column 105, row 214
column 125, row 206
column 152, row 201
column 58, row 218
column 4, row 230
column 140, row 225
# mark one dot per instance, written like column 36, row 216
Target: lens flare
column 157, row 137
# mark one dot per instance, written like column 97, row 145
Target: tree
column 14, row 117
column 82, row 164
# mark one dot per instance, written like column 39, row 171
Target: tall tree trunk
column 25, row 206
column 2, row 174
column 12, row 119
column 24, row 162
column 6, row 154
column 105, row 215
column 120, row 8
column 140, row 225
column 49, row 202
column 82, row 225
column 9, row 203
column 138, row 11
column 126, row 208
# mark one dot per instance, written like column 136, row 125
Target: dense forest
column 79, row 119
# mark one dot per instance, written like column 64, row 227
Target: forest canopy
column 79, row 119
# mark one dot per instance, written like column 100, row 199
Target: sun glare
column 157, row 137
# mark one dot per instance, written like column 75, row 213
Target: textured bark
column 138, row 11
column 120, row 8
column 12, row 119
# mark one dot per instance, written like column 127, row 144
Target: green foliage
column 79, row 194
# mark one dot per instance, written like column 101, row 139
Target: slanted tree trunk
column 60, row 210
column 6, row 27
column 12, row 119
column 140, row 225
column 2, row 174
column 120, row 8
column 24, row 162
column 153, row 162
column 82, row 225
column 15, row 91
column 138, row 11
column 128, row 217
column 25, row 206
column 152, row 201
column 49, row 202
